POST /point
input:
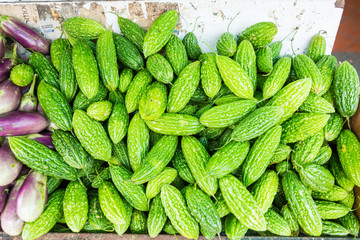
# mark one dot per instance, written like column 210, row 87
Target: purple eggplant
column 25, row 89
column 43, row 138
column 28, row 100
column 10, row 96
column 5, row 67
column 22, row 123
column 40, row 110
column 10, row 222
column 24, row 171
column 2, row 46
column 4, row 192
column 9, row 165
column 6, row 64
column 31, row 200
column 24, row 35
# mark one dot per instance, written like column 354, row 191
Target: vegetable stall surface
column 178, row 141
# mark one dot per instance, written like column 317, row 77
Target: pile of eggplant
column 23, row 192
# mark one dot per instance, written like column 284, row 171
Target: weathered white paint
column 309, row 16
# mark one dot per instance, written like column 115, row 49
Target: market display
column 144, row 133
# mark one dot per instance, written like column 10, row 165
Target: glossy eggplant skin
column 11, row 224
column 32, row 196
column 4, row 192
column 10, row 96
column 6, row 65
column 19, row 123
column 29, row 101
column 10, row 167
column 43, row 138
column 2, row 46
column 24, row 35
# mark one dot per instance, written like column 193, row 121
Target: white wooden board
column 309, row 16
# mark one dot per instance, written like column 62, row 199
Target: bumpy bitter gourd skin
column 127, row 53
column 234, row 229
column 257, row 123
column 67, row 80
column 156, row 160
column 41, row 158
column 265, row 189
column 302, row 204
column 156, row 218
column 327, row 66
column 264, row 60
column 97, row 218
column 227, row 114
column 160, row 32
column 241, row 203
column 294, row 93
column 153, row 101
column 191, row 44
column 209, row 74
column 348, row 148
column 260, row 34
column 304, row 67
column 69, row 148
column 55, row 106
column 160, row 68
column 175, row 124
column 44, row 69
column 58, row 47
column 346, row 89
column 184, row 87
column 317, row 48
column 246, row 57
column 47, row 220
column 175, row 53
column 138, row 141
column 86, row 69
column 302, row 126
column 235, row 77
column 107, row 62
column 167, row 176
column 305, row 151
column 331, row 210
column 316, row 177
column 226, row 45
column 277, row 78
column 134, row 194
column 133, row 95
column 260, row 155
column 75, row 206
column 111, row 203
column 177, row 211
column 227, row 159
column 277, row 224
column 83, row 28
column 289, row 216
column 132, row 31
column 203, row 209
column 196, row 157
column 92, row 136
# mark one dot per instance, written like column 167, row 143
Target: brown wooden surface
column 97, row 236
column 109, row 236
